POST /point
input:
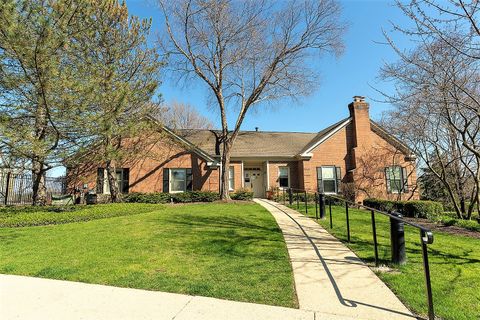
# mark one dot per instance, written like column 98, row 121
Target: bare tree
column 249, row 53
column 437, row 96
column 178, row 115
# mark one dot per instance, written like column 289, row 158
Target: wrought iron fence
column 17, row 188
column 295, row 197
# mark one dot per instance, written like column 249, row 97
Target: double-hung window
column 177, row 180
column 396, row 179
column 328, row 179
column 284, row 177
column 231, row 178
column 122, row 177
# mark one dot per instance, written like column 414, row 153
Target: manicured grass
column 234, row 251
column 36, row 216
column 454, row 263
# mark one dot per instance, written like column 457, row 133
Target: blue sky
column 353, row 73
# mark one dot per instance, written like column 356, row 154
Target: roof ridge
column 259, row 131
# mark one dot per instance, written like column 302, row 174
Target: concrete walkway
column 29, row 298
column 329, row 278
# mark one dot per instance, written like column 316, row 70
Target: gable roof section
column 190, row 146
column 323, row 135
column 391, row 139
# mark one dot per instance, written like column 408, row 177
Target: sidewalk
column 29, row 298
column 329, row 278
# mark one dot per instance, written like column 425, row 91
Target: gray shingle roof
column 252, row 143
column 270, row 144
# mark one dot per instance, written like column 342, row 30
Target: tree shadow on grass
column 231, row 236
column 196, row 220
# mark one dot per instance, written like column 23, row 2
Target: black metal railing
column 397, row 223
column 17, row 188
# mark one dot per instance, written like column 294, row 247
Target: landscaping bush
column 194, row 196
column 242, row 194
column 139, row 197
column 203, row 196
column 182, row 197
column 412, row 208
column 448, row 220
column 422, row 209
column 383, row 205
column 468, row 224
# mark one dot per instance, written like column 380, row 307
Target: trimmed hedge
column 242, row 194
column 37, row 216
column 160, row 197
column 184, row 197
column 412, row 208
column 140, row 197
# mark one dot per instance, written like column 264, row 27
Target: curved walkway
column 329, row 278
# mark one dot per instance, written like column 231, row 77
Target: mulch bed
column 443, row 228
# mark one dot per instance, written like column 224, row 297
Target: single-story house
column 354, row 156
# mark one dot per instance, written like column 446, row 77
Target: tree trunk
column 39, row 188
column 224, row 171
column 112, row 181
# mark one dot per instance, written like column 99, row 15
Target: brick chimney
column 361, row 122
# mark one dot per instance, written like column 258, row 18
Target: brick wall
column 332, row 152
column 362, row 156
column 237, row 171
column 146, row 169
column 274, row 172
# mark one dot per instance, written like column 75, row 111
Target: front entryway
column 253, row 179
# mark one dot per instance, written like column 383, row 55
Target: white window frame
column 231, row 178
column 288, row 177
column 334, row 179
column 170, row 180
column 106, row 183
column 401, row 178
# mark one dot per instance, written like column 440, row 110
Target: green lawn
column 233, row 251
column 454, row 264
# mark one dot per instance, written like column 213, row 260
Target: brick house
column 354, row 156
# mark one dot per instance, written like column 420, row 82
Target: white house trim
column 307, row 153
column 268, row 174
column 243, row 176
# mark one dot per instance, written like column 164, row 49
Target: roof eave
column 211, row 162
column 308, row 152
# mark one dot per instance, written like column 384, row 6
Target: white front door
column 254, row 180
